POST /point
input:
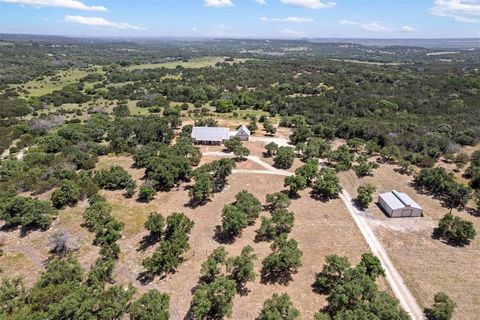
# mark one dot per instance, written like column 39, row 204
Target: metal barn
column 399, row 205
column 210, row 135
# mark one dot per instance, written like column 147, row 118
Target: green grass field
column 194, row 63
column 38, row 88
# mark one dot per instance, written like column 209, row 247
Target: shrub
column 455, row 230
column 442, row 309
column 67, row 195
column 146, row 193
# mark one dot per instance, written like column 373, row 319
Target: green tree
column 373, row 266
column 202, row 190
column 271, row 149
column 278, row 200
column 300, row 135
column 269, row 128
column 146, row 193
column 365, row 194
column 284, row 158
column 332, row 273
column 455, row 230
column 327, row 185
column 27, row 212
column 249, row 204
column 214, row 300
column 285, row 259
column 241, row 152
column 317, row 148
column 233, row 143
column 391, row 153
column 234, row 220
column 281, row 222
column 309, row 171
column 442, row 309
column 211, row 267
column 67, row 195
column 278, row 307
column 155, row 224
column 242, row 267
column 295, row 183
column 152, row 305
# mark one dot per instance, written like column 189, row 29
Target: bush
column 115, row 178
column 146, row 193
column 27, row 212
column 67, row 195
column 442, row 309
column 455, row 230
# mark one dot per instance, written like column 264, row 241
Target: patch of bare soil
column 427, row 265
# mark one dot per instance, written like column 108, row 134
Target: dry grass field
column 320, row 229
column 427, row 265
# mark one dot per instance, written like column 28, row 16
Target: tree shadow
column 220, row 236
column 271, row 277
column 473, row 212
column 148, row 241
column 321, row 198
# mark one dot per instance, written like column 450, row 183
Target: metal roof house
column 210, row 135
column 243, row 133
column 398, row 205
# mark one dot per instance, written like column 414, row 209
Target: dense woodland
column 413, row 112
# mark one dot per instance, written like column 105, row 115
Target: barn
column 398, row 205
column 243, row 133
column 210, row 135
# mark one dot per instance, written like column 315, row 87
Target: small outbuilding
column 210, row 135
column 243, row 133
column 399, row 205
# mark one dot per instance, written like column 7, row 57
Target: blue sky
column 244, row 18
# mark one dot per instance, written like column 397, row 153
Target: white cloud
column 456, row 7
column 194, row 29
column 311, row 4
column 288, row 19
column 459, row 10
column 69, row 4
column 291, row 33
column 375, row 26
column 101, row 22
column 407, row 29
column 348, row 22
column 218, row 3
column 261, row 1
column 465, row 19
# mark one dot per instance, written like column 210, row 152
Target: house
column 397, row 205
column 243, row 133
column 210, row 135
